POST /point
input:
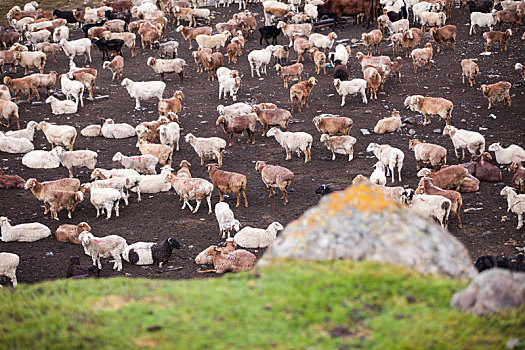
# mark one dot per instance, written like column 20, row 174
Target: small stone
column 412, row 132
column 368, row 111
column 50, row 254
column 498, row 184
column 482, row 128
column 436, row 131
column 365, row 132
column 492, row 116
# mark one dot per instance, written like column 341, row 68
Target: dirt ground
column 159, row 215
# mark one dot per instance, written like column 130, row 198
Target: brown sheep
column 301, row 91
column 20, row 86
column 450, row 177
column 212, row 63
column 236, row 261
column 496, row 37
column 497, row 92
column 173, row 104
column 271, row 117
column 225, row 181
column 69, row 233
column 470, row 70
column 427, row 187
column 238, row 125
column 444, row 34
column 275, row 176
column 518, row 179
column 372, row 41
column 411, row 39
column 333, row 125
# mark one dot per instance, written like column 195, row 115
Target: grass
column 292, row 305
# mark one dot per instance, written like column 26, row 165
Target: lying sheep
column 8, row 265
column 206, row 256
column 104, row 247
column 69, row 233
column 149, row 253
column 448, row 178
column 236, row 261
column 143, row 164
column 471, row 140
column 378, row 175
column 143, row 90
column 163, row 153
column 61, row 107
column 389, row 124
column 293, row 142
column 275, row 176
column 250, row 237
column 112, row 130
column 516, row 203
column 340, row 145
column 75, row 270
column 14, row 145
column 23, row 232
column 226, row 219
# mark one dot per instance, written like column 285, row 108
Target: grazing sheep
column 511, row 154
column 430, row 106
column 104, row 247
column 515, row 202
column 275, row 176
column 389, row 156
column 226, row 181
column 352, row 87
column 149, row 253
column 226, row 219
column 471, row 140
column 340, row 145
column 23, row 232
column 250, row 237
column 8, row 264
column 207, row 146
column 69, row 233
column 293, row 142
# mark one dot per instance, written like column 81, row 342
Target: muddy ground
column 159, row 215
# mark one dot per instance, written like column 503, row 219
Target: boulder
column 360, row 223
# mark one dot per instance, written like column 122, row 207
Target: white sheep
column 41, row 36
column 80, row 158
column 170, row 134
column 26, row 133
column 91, row 131
column 8, row 264
column 259, row 59
column 293, row 142
column 234, row 110
column 72, row 89
column 40, row 159
column 207, row 146
column 321, row 41
column 143, row 90
column 61, row 135
column 378, row 175
column 22, row 233
column 511, row 154
column 389, row 156
column 166, row 66
column 15, row 145
column 434, row 206
column 31, row 6
column 419, row 8
column 104, row 199
column 154, row 183
column 229, row 85
column 60, row 33
column 131, row 178
column 61, row 107
column 226, row 219
column 30, row 59
column 399, row 26
column 461, row 139
column 482, row 20
column 250, row 237
column 352, row 87
column 110, row 130
column 76, row 48
column 515, row 202
column 215, row 41
column 342, row 53
column 432, row 19
column 104, row 247
column 311, row 11
column 142, row 164
column 339, row 145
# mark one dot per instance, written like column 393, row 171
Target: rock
column 491, row 291
column 365, row 132
column 360, row 223
column 412, row 132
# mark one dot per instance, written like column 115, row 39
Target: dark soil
column 159, row 215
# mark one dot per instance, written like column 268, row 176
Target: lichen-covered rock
column 491, row 291
column 360, row 223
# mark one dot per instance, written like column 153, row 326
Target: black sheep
column 67, row 15
column 143, row 253
column 268, row 32
column 125, row 16
column 340, row 70
column 87, row 27
column 484, row 6
column 396, row 16
column 324, row 189
column 5, row 281
column 108, row 45
column 75, row 270
column 512, row 263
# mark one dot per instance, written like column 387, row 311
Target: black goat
column 67, row 15
column 396, row 16
column 512, row 263
column 87, row 27
column 340, row 70
column 484, row 6
column 268, row 32
column 324, row 189
column 75, row 270
column 125, row 16
column 108, row 45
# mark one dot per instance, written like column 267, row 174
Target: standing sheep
column 293, row 142
column 275, row 176
column 61, row 135
column 226, row 219
column 104, row 247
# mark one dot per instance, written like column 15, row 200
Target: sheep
column 333, row 124
column 143, row 90
column 352, row 87
column 373, row 81
column 11, row 181
column 258, row 60
column 163, row 152
column 271, row 117
column 234, row 110
column 168, row 49
column 76, row 48
column 290, row 30
column 128, row 38
column 58, row 200
column 41, row 190
column 515, row 203
column 471, row 140
column 430, row 106
column 321, row 41
column 225, row 181
column 275, row 176
column 470, row 70
column 482, row 20
column 319, row 59
column 146, row 253
column 190, row 34
column 81, row 158
column 87, row 79
column 388, row 124
column 483, row 169
column 44, row 81
column 116, row 66
column 143, row 164
column 110, row 130
column 233, row 50
column 311, row 11
column 512, row 263
column 129, row 178
column 72, row 88
column 91, row 131
column 23, row 232
column 162, row 66
column 450, row 177
column 61, row 107
column 15, row 145
column 104, row 199
column 397, row 42
column 432, row 19
column 339, row 144
column 378, row 175
column 422, row 57
column 192, row 188
column 61, row 135
column 427, row 187
column 5, row 94
column 411, row 39
column 444, row 34
column 236, row 261
column 229, row 84
column 520, row 68
column 207, row 146
column 8, row 111
column 35, row 59
column 372, row 41
column 75, row 270
column 206, row 256
column 60, row 33
column 238, row 124
column 513, row 18
column 226, row 219
column 251, row 237
column 154, row 183
column 340, row 71
column 434, row 206
column 301, row 46
column 398, row 27
column 341, row 53
column 22, row 86
column 215, row 41
column 428, row 153
column 518, row 179
column 173, row 104
column 497, row 92
column 293, row 142
column 104, row 247
column 8, row 264
column 170, row 134
column 511, row 154
column 184, row 171
column 42, row 159
column 37, row 37
column 69, row 233
column 497, row 37
column 389, row 156
column 301, row 91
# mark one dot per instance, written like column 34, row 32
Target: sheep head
column 259, row 165
column 117, row 157
column 189, row 138
column 372, row 147
column 449, row 130
column 413, row 143
column 337, row 83
column 85, row 237
column 173, row 243
column 43, row 126
column 30, row 183
column 325, row 138
column 151, row 61
column 184, row 164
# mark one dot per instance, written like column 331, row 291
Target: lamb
column 58, row 200
column 422, row 57
column 432, row 19
column 389, row 124
column 72, row 88
column 411, row 39
column 14, row 145
column 76, row 48
column 471, row 140
column 170, row 135
column 215, row 41
column 104, row 247
column 291, row 29
column 319, row 60
column 61, row 135
column 450, row 177
column 81, row 158
column 373, row 81
column 444, row 34
column 236, row 261
column 110, row 130
column 434, row 206
column 75, row 270
column 225, row 181
column 229, row 84
column 372, row 41
column 430, row 106
column 332, row 124
column 515, row 202
column 162, row 66
column 143, row 164
column 428, row 153
column 378, row 175
column 69, row 233
column 291, row 72
column 8, row 264
column 321, row 41
column 61, row 107
column 104, row 199
column 275, row 176
column 116, row 66
column 8, row 111
column 482, row 20
column 41, row 190
column 293, row 142
column 520, row 68
column 340, row 71
column 518, row 179
column 271, row 117
column 389, row 156
column 251, row 237
column 258, row 59
column 511, row 154
column 23, row 232
column 207, row 146
column 192, row 188
column 190, row 34
column 339, row 144
column 301, row 91
column 149, row 253
column 200, row 56
column 173, row 104
column 352, row 87
column 163, row 152
column 496, row 37
column 143, row 90
column 470, row 70
column 512, row 18
column 397, row 42
column 427, row 187
column 233, row 50
column 238, row 125
column 226, row 219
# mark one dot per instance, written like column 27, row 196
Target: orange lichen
column 362, row 196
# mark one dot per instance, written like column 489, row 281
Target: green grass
column 292, row 305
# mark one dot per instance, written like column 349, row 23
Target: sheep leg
column 98, row 212
column 343, row 101
column 118, row 261
column 458, row 218
column 108, row 207
column 271, row 192
column 137, row 104
column 245, row 200
column 520, row 222
column 463, row 152
column 117, row 206
column 288, row 153
column 208, row 199
column 197, row 207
